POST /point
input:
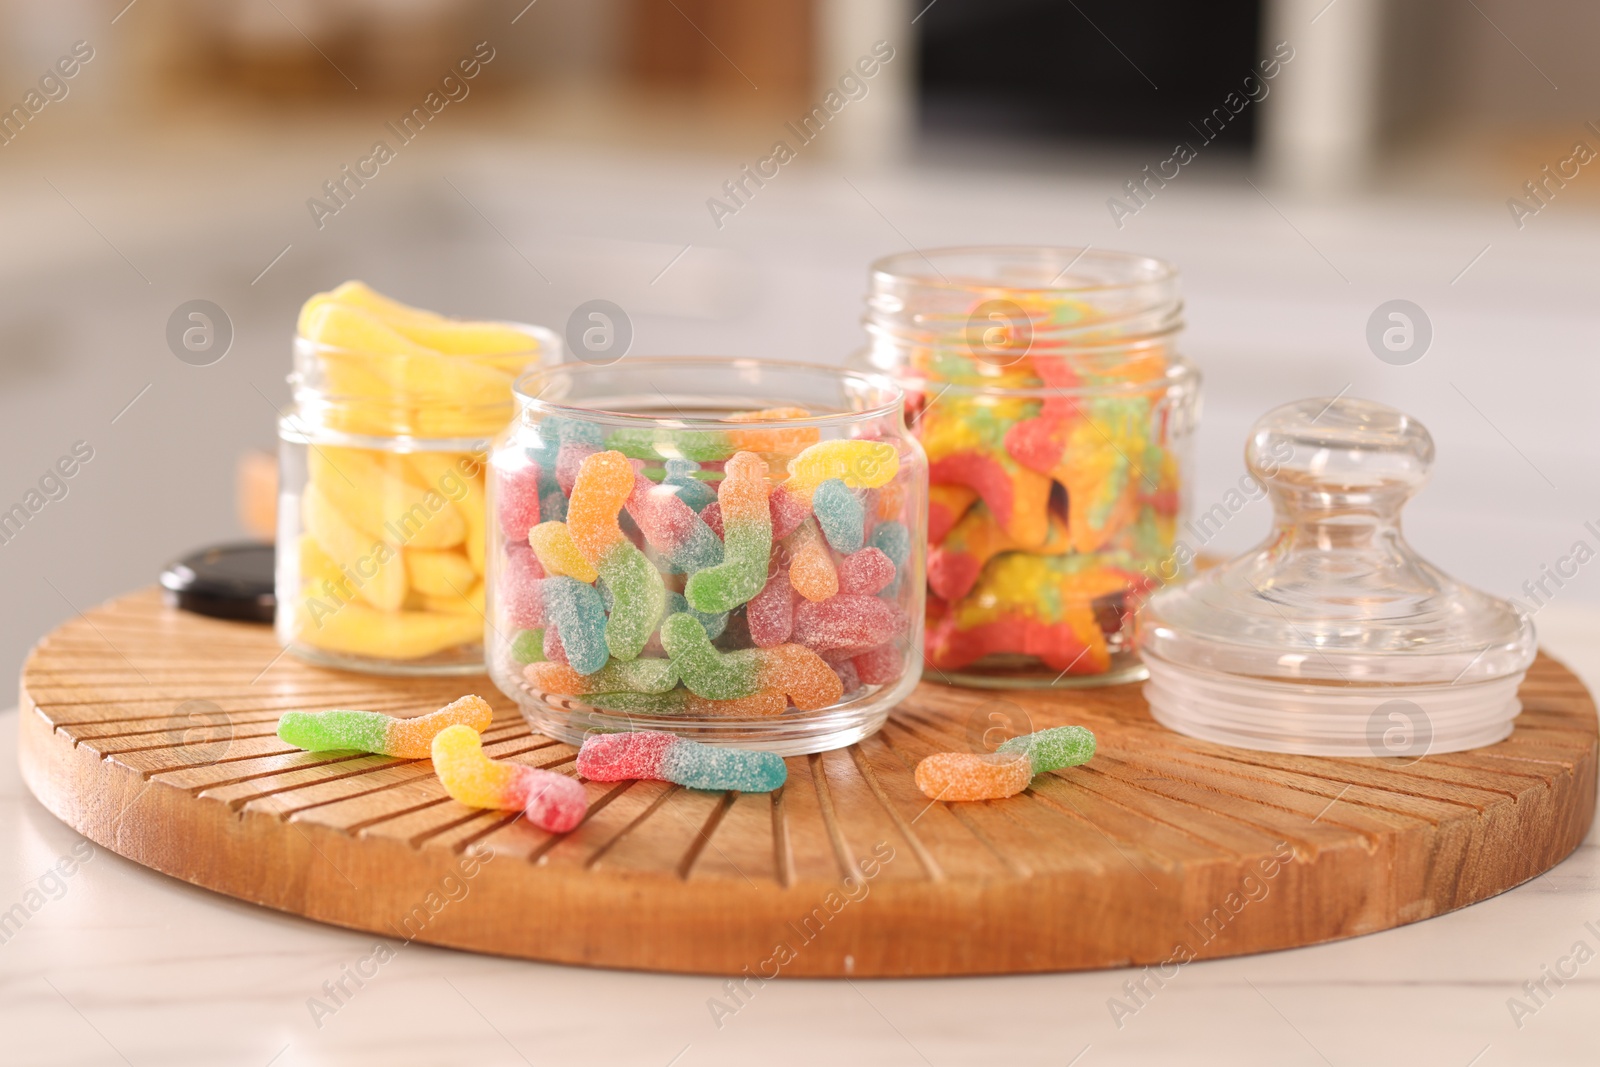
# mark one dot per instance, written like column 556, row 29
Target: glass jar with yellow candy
column 1046, row 386
column 381, row 525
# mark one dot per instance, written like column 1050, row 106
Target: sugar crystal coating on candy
column 840, row 514
column 711, row 515
column 553, row 650
column 801, row 674
column 714, row 623
column 528, row 646
column 521, row 585
column 385, row 735
column 860, row 464
column 673, row 528
column 558, row 554
column 845, row 668
column 848, row 621
column 517, row 494
column 578, row 616
column 788, row 512
column 682, row 702
column 971, row 776
column 551, row 801
column 705, row 671
column 639, row 597
column 619, row 676
column 880, row 665
column 1008, row 770
column 697, row 766
column 1052, row 749
column 747, row 546
column 648, row 754
column 625, row 756
column 811, row 569
column 770, row 613
column 868, row 571
column 569, row 459
column 796, row 671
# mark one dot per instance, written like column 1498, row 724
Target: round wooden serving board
column 151, row 731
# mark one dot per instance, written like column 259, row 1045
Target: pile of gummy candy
column 1047, row 512
column 711, row 573
column 390, row 550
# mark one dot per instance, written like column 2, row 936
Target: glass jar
column 381, row 530
column 726, row 549
column 1046, row 388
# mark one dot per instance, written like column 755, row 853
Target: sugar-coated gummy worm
column 747, row 539
column 1008, row 770
column 811, row 569
column 578, row 624
column 551, row 801
column 553, row 547
column 791, row 669
column 665, row 757
column 672, row 527
column 639, row 597
column 859, row 464
column 643, row 675
column 384, row 735
column 841, row 515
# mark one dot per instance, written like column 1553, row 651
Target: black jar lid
column 233, row 581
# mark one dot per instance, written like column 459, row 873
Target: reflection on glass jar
column 1046, row 389
column 730, row 550
column 381, row 527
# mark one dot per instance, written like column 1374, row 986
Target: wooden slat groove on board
column 154, row 733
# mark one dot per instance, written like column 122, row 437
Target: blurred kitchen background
column 177, row 161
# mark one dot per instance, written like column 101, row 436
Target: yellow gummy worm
column 859, row 464
column 552, row 543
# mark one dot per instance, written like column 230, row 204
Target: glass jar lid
column 1298, row 644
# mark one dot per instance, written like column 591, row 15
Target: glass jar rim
column 1142, row 269
column 1181, row 372
column 526, row 391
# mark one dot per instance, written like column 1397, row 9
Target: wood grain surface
column 151, row 731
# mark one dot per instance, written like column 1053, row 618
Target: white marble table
column 117, row 964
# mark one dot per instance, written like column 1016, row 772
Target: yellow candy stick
column 552, row 543
column 359, row 295
column 405, row 367
column 315, row 564
column 356, row 629
column 372, row 565
column 381, row 503
column 464, row 338
column 438, row 572
column 459, row 476
column 469, row 603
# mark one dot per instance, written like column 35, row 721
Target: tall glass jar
column 381, row 521
column 1046, row 388
column 726, row 549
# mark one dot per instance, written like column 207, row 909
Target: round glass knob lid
column 1335, row 595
